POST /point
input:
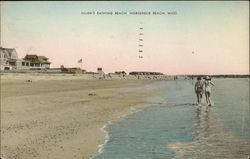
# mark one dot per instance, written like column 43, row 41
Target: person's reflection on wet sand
column 211, row 139
column 202, row 127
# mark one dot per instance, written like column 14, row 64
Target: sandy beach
column 59, row 117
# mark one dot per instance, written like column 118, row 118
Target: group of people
column 203, row 86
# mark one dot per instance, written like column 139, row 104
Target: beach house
column 9, row 59
column 35, row 62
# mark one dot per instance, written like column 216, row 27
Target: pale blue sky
column 217, row 32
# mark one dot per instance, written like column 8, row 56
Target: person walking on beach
column 208, row 84
column 199, row 89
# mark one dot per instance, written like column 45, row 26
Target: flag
column 80, row 61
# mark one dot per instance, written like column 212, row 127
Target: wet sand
column 211, row 140
column 60, row 117
column 178, row 128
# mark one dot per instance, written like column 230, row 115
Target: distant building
column 145, row 73
column 121, row 73
column 35, row 62
column 73, row 70
column 100, row 71
column 92, row 73
column 9, row 59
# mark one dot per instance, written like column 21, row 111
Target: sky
column 199, row 38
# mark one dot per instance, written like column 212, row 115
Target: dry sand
column 59, row 117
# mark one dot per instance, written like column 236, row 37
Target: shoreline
column 210, row 139
column 133, row 110
column 63, row 117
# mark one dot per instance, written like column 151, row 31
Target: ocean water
column 232, row 98
column 174, row 118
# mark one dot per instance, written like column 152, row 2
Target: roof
column 36, row 59
column 43, row 59
column 9, row 52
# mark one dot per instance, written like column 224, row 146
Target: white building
column 35, row 62
column 100, row 71
column 9, row 59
